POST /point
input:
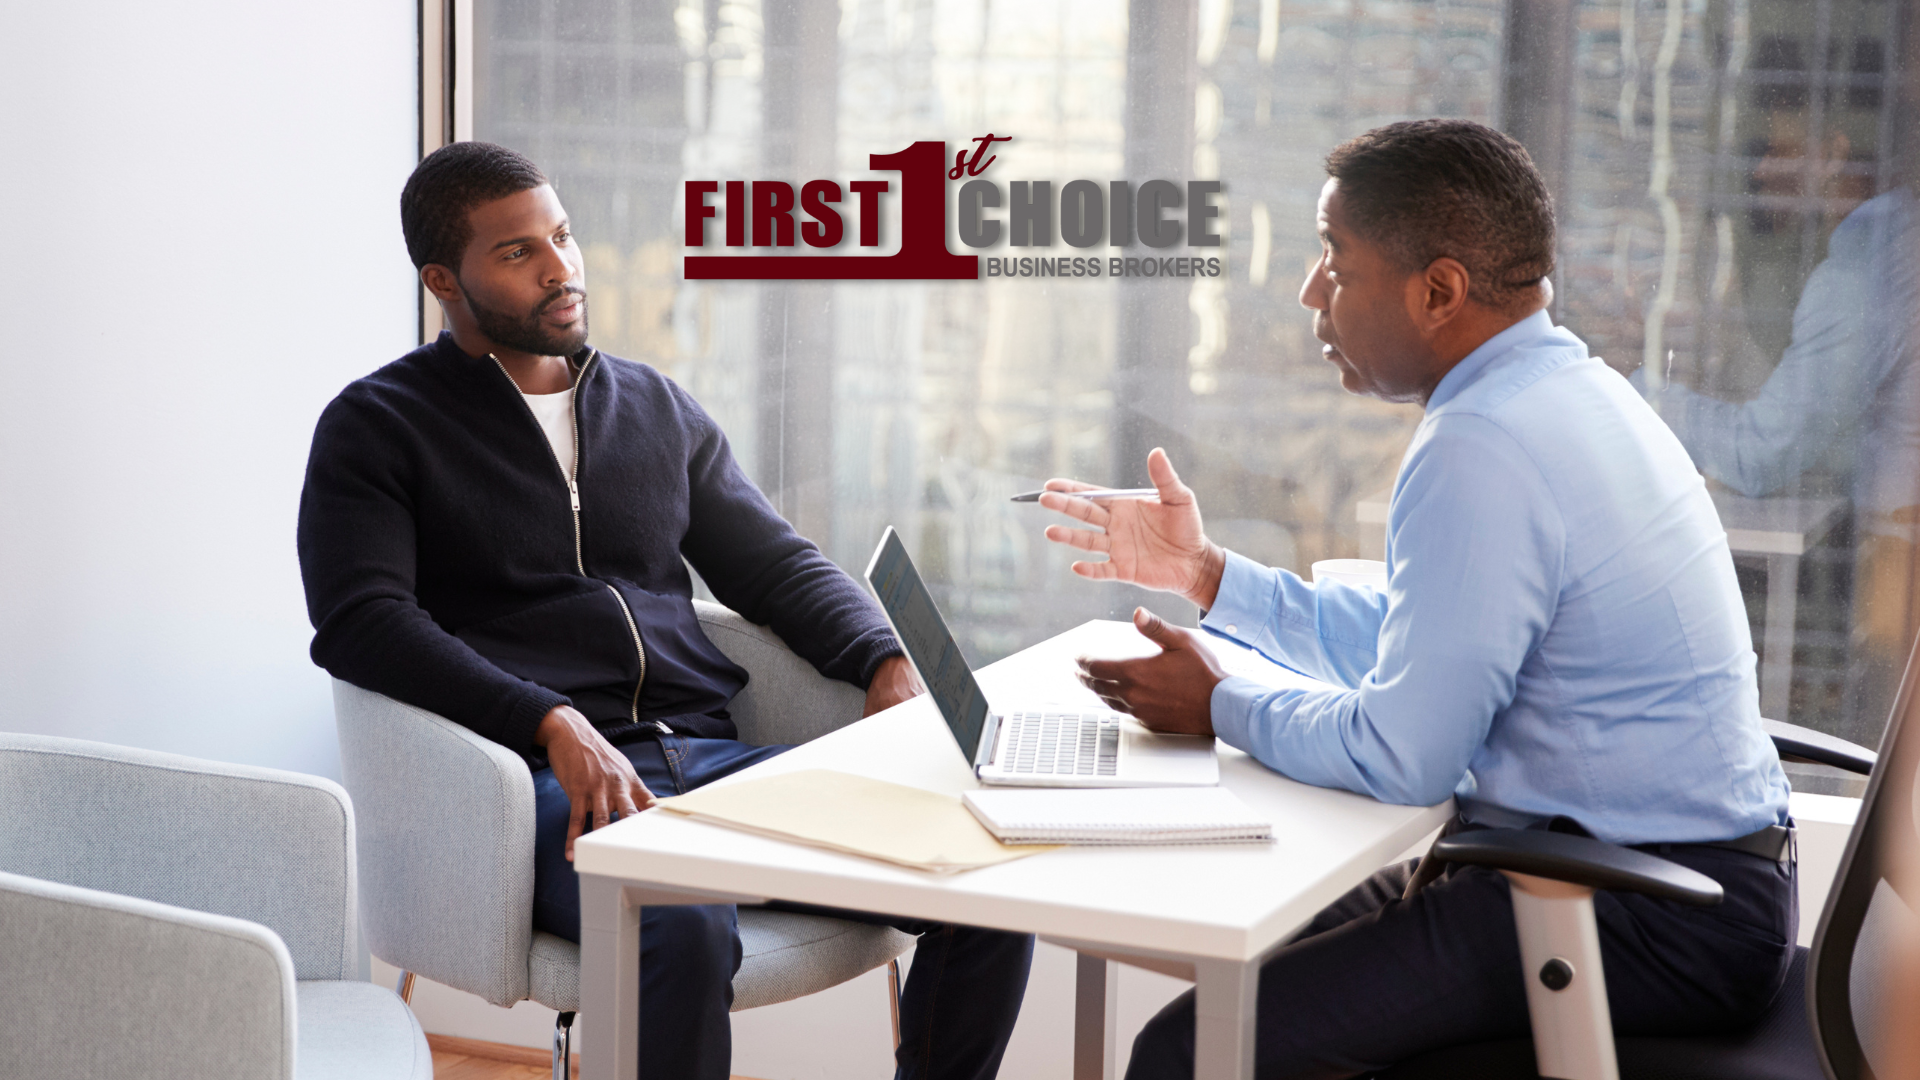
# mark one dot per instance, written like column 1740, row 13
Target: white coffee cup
column 1371, row 572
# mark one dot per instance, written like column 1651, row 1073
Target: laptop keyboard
column 1062, row 743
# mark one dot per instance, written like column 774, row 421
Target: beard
column 529, row 334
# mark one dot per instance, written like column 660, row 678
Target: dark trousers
column 956, row 1013
column 1375, row 979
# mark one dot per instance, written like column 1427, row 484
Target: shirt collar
column 1527, row 330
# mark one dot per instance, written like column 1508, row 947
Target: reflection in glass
column 1701, row 152
column 1797, row 386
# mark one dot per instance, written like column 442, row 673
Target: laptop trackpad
column 1169, row 759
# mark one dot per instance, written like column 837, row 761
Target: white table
column 1777, row 530
column 1206, row 913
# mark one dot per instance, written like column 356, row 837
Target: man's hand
column 1171, row 692
column 893, row 682
column 598, row 779
column 1156, row 545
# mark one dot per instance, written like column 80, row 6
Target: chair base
column 563, row 1046
column 893, row 998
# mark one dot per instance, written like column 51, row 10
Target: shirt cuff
column 1232, row 708
column 1247, row 597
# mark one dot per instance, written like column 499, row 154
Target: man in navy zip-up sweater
column 493, row 528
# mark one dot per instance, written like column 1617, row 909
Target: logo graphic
column 767, row 214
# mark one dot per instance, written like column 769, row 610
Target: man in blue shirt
column 1561, row 642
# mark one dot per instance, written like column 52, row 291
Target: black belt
column 1774, row 842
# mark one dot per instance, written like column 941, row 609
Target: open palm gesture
column 1156, row 544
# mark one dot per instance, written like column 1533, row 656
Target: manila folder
column 907, row 826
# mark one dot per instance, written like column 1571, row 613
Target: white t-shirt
column 555, row 413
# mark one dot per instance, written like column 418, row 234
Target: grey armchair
column 162, row 916
column 446, row 846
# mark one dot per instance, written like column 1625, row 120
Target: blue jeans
column 957, row 1010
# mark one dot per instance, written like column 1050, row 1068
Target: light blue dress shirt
column 1561, row 632
column 1846, row 394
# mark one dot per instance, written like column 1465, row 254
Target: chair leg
column 1566, row 983
column 893, row 998
column 405, row 987
column 563, row 1046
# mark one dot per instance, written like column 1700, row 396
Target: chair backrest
column 1864, row 914
column 446, row 844
column 786, row 700
column 268, row 846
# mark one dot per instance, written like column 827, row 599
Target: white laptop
column 1043, row 746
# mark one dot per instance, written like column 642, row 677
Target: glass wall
column 1703, row 153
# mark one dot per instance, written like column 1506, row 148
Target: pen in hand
column 1092, row 493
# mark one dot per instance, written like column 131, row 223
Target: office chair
column 1822, row 1025
column 446, row 848
column 165, row 917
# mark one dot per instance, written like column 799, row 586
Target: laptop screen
column 929, row 644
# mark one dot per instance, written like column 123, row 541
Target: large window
column 1702, row 153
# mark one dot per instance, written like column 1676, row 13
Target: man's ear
column 441, row 283
column 1437, row 294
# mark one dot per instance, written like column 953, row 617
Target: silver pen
column 1093, row 493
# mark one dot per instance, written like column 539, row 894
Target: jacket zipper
column 633, row 708
column 572, row 478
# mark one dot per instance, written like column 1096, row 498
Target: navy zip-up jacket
column 445, row 565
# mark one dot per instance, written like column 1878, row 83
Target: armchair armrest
column 1553, row 876
column 176, row 992
column 446, row 844
column 264, row 845
column 786, row 700
column 1792, row 740
column 1580, row 860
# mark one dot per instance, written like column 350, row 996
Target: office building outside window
column 1703, row 154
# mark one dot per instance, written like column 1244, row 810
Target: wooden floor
column 471, row 1059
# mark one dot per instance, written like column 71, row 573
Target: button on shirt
column 1561, row 632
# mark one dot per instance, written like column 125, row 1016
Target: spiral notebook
column 1189, row 815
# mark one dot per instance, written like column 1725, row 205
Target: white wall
column 203, row 247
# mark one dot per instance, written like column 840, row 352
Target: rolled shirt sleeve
column 1476, row 545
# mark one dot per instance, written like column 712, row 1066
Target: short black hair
column 1427, row 189
column 446, row 185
